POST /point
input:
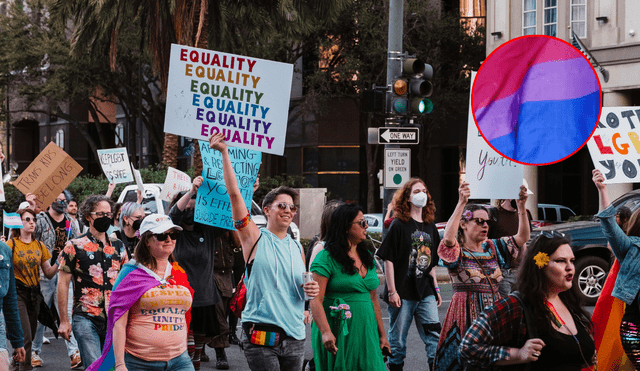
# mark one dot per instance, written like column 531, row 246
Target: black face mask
column 102, row 224
column 58, row 206
column 187, row 217
column 136, row 225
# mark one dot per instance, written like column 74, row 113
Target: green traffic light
column 425, row 106
column 400, row 106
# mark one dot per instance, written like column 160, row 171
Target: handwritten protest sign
column 213, row 206
column 175, row 182
column 2, row 199
column 615, row 144
column 115, row 165
column 138, row 178
column 488, row 173
column 48, row 175
column 247, row 99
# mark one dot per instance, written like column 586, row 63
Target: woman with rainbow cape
column 139, row 331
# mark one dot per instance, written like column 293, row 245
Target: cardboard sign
column 247, row 99
column 213, row 206
column 115, row 165
column 138, row 178
column 488, row 173
column 48, row 175
column 615, row 144
column 175, row 182
column 2, row 199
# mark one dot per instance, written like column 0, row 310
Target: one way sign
column 399, row 135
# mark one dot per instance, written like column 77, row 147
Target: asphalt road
column 54, row 354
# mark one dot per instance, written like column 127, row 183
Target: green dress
column 357, row 337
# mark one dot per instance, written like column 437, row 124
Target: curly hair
column 472, row 208
column 532, row 283
column 142, row 253
column 337, row 240
column 15, row 232
column 89, row 204
column 402, row 203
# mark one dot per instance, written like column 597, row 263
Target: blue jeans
column 3, row 332
column 48, row 289
column 425, row 313
column 286, row 356
column 179, row 363
column 90, row 334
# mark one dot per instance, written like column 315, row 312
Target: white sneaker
column 36, row 361
column 45, row 340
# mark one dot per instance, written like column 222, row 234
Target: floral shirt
column 94, row 268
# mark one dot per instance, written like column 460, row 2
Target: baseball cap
column 23, row 205
column 157, row 223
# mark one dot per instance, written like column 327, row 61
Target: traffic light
column 419, row 86
column 398, row 100
column 373, row 101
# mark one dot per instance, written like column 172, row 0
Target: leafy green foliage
column 269, row 183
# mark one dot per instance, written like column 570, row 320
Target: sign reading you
column 615, row 144
column 246, row 99
column 489, row 174
column 48, row 175
column 213, row 206
column 115, row 165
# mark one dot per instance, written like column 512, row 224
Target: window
column 120, row 135
column 579, row 17
column 528, row 17
column 60, row 138
column 565, row 214
column 550, row 17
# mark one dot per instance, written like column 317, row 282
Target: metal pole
column 394, row 68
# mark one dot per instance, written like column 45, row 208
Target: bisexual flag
column 536, row 99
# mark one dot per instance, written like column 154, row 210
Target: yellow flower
column 541, row 259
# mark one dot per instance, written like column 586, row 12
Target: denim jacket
column 9, row 298
column 627, row 250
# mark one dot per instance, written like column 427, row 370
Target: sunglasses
column 284, row 205
column 363, row 223
column 28, row 219
column 163, row 236
column 480, row 221
column 551, row 234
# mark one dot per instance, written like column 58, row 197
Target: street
column 54, row 354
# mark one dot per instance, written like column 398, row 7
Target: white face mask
column 419, row 199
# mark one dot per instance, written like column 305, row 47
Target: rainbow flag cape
column 131, row 284
column 536, row 100
column 606, row 318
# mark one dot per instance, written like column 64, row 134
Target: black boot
column 394, row 367
column 203, row 356
column 233, row 339
column 221, row 359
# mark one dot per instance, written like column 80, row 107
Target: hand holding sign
column 115, row 165
column 464, row 193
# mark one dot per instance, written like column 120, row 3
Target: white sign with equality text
column 489, row 174
column 615, row 144
column 247, row 99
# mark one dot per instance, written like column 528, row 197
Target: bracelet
column 391, row 293
column 438, row 290
column 239, row 224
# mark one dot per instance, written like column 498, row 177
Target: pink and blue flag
column 536, row 99
column 11, row 220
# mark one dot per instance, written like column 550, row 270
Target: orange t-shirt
column 157, row 328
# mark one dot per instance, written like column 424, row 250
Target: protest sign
column 489, row 174
column 213, row 206
column 615, row 144
column 115, row 165
column 48, row 175
column 138, row 178
column 2, row 199
column 247, row 99
column 175, row 182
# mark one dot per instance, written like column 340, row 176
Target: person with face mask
column 409, row 252
column 131, row 215
column 195, row 252
column 54, row 228
column 93, row 262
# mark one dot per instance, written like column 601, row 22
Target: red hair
column 402, row 208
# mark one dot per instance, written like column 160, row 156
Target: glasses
column 480, row 221
column 163, row 236
column 61, row 200
column 29, row 219
column 100, row 214
column 363, row 223
column 284, row 205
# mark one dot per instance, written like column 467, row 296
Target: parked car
column 375, row 222
column 552, row 214
column 593, row 258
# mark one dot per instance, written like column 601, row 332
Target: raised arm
column 524, row 232
column 450, row 232
column 248, row 234
column 603, row 197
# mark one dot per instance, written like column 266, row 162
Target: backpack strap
column 532, row 331
column 249, row 265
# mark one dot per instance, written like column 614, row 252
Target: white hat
column 23, row 205
column 157, row 223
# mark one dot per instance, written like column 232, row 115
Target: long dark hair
column 142, row 253
column 402, row 200
column 532, row 283
column 325, row 221
column 337, row 241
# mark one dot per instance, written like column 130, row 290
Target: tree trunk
column 170, row 150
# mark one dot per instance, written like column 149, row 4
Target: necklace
column 559, row 322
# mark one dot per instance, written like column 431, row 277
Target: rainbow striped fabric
column 265, row 338
column 536, row 99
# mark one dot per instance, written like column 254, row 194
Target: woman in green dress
column 348, row 333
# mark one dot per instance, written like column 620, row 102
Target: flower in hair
column 467, row 215
column 541, row 259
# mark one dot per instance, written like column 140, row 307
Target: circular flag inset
column 536, row 100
